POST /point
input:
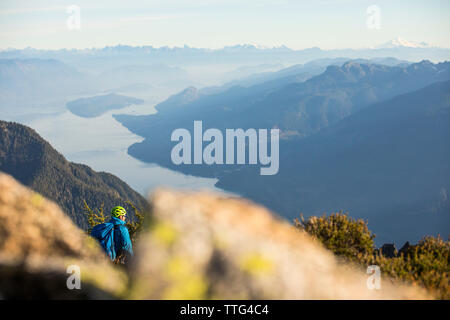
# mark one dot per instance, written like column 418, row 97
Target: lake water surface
column 102, row 144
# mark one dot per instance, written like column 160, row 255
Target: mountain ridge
column 108, row 57
column 388, row 163
column 30, row 159
column 359, row 87
column 297, row 109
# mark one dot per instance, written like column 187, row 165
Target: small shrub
column 94, row 216
column 341, row 234
column 135, row 227
column 97, row 216
column 425, row 264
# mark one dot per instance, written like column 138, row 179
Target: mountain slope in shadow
column 35, row 163
column 388, row 163
column 297, row 109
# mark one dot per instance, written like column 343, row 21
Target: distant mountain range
column 400, row 42
column 297, row 109
column 46, row 85
column 304, row 111
column 155, row 74
column 29, row 79
column 388, row 163
column 33, row 161
column 297, row 73
column 247, row 54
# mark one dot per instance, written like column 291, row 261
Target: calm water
column 102, row 143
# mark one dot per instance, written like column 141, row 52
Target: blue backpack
column 113, row 236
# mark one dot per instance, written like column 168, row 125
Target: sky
column 297, row 24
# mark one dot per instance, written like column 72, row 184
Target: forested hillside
column 34, row 162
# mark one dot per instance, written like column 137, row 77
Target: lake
column 102, row 144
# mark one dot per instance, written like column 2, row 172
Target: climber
column 114, row 236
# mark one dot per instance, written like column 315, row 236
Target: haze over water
column 102, row 144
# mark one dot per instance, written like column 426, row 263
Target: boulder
column 205, row 246
column 39, row 245
column 388, row 250
column 404, row 249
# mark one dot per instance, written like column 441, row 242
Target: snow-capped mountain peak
column 400, row 42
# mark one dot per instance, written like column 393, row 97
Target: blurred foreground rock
column 201, row 246
column 37, row 244
column 194, row 246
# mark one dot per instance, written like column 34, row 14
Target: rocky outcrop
column 388, row 250
column 404, row 249
column 201, row 246
column 38, row 243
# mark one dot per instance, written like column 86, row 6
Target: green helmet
column 118, row 211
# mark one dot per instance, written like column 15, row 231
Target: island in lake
column 95, row 106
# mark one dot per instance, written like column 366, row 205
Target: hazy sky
column 208, row 23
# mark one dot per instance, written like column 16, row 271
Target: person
column 114, row 236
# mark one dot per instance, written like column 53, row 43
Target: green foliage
column 339, row 233
column 134, row 227
column 94, row 216
column 425, row 264
column 97, row 216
